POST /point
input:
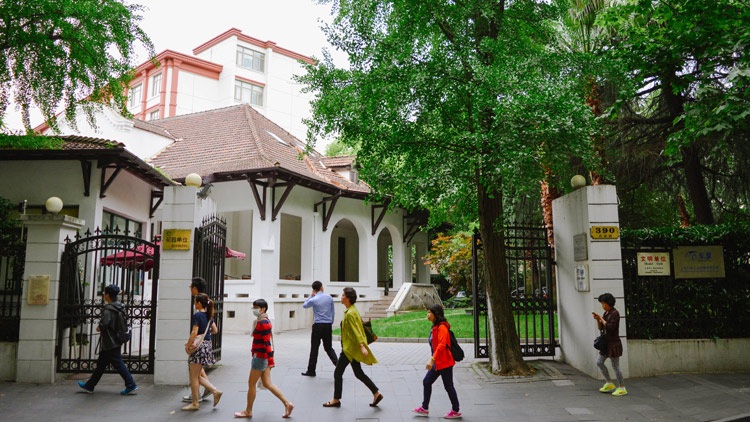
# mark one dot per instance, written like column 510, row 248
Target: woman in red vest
column 441, row 363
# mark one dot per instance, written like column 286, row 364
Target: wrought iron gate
column 208, row 263
column 529, row 261
column 89, row 264
column 12, row 263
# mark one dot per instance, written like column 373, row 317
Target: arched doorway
column 385, row 259
column 344, row 252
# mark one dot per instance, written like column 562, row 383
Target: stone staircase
column 378, row 309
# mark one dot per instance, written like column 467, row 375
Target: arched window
column 344, row 252
column 385, row 259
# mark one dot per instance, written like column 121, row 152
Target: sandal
column 217, row 397
column 288, row 409
column 332, row 404
column 377, row 400
column 191, row 406
column 242, row 414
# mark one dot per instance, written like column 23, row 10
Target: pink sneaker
column 453, row 415
column 421, row 412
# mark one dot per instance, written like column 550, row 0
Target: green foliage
column 337, row 147
column 450, row 255
column 29, row 142
column 67, row 53
column 734, row 234
column 9, row 227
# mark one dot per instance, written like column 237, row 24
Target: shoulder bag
column 199, row 339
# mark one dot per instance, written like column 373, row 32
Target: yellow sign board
column 699, row 262
column 38, row 290
column 653, row 263
column 605, row 232
column 176, row 239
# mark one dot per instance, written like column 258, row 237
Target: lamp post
column 193, row 179
column 54, row 205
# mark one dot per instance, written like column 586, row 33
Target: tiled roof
column 338, row 161
column 75, row 142
column 239, row 139
column 148, row 127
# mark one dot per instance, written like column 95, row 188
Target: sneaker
column 204, row 396
column 453, row 415
column 621, row 391
column 607, row 387
column 83, row 386
column 129, row 390
column 421, row 412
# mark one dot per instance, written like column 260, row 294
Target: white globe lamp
column 54, row 205
column 193, row 179
column 578, row 181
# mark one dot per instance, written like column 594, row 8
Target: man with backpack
column 114, row 331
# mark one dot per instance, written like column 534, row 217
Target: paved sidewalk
column 557, row 393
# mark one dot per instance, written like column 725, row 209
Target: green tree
column 451, row 103
column 338, row 148
column 682, row 118
column 450, row 255
column 67, row 52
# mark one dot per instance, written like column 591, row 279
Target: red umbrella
column 141, row 258
column 234, row 254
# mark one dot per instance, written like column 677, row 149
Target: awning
column 142, row 258
column 234, row 254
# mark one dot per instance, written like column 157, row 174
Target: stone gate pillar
column 181, row 210
column 586, row 267
column 35, row 362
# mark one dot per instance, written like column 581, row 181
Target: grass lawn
column 415, row 324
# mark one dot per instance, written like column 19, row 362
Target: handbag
column 199, row 339
column 600, row 343
column 369, row 333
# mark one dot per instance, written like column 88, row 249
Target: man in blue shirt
column 323, row 311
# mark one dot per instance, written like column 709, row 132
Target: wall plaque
column 699, row 262
column 605, row 232
column 580, row 248
column 582, row 277
column 38, row 290
column 176, row 239
column 653, row 263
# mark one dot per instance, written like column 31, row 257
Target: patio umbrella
column 143, row 261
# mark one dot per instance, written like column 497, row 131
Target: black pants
column 113, row 356
column 338, row 375
column 431, row 377
column 320, row 331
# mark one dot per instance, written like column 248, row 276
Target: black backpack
column 456, row 351
column 121, row 326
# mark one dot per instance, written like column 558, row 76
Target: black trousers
column 320, row 331
column 113, row 356
column 432, row 375
column 338, row 376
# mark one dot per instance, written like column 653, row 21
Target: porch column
column 181, row 210
column 585, row 269
column 265, row 260
column 423, row 271
column 35, row 362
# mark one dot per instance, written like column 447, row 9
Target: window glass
column 250, row 59
column 155, row 84
column 248, row 93
column 135, row 95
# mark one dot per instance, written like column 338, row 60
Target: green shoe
column 607, row 387
column 621, row 391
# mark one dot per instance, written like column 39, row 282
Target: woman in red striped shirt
column 262, row 362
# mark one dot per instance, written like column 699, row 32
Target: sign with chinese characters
column 580, row 251
column 653, row 263
column 699, row 262
column 38, row 290
column 605, row 232
column 582, row 277
column 176, row 239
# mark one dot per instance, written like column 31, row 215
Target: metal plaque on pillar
column 38, row 290
column 580, row 249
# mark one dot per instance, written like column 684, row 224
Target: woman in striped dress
column 262, row 362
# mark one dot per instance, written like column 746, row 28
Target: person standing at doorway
column 110, row 346
column 609, row 322
column 323, row 312
column 197, row 286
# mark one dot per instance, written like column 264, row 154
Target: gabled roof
column 339, row 161
column 251, row 40
column 77, row 147
column 235, row 141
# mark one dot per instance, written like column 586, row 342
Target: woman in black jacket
column 610, row 323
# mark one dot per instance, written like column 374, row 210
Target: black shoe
column 308, row 374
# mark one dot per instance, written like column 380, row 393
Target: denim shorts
column 259, row 364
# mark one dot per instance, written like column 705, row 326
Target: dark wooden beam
column 327, row 213
column 277, row 207
column 412, row 222
column 86, row 169
column 159, row 196
column 107, row 182
column 260, row 202
column 383, row 208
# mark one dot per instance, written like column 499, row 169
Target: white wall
column 656, row 357
column 574, row 214
column 290, row 247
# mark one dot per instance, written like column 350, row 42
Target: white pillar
column 181, row 210
column 423, row 270
column 574, row 214
column 265, row 259
column 35, row 362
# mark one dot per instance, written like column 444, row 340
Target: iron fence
column 208, row 263
column 12, row 262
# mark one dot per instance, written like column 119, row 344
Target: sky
column 182, row 25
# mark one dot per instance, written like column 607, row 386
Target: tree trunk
column 505, row 347
column 697, row 186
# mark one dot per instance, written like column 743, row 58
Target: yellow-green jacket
column 352, row 335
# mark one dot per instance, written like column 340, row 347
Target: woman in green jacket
column 354, row 350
